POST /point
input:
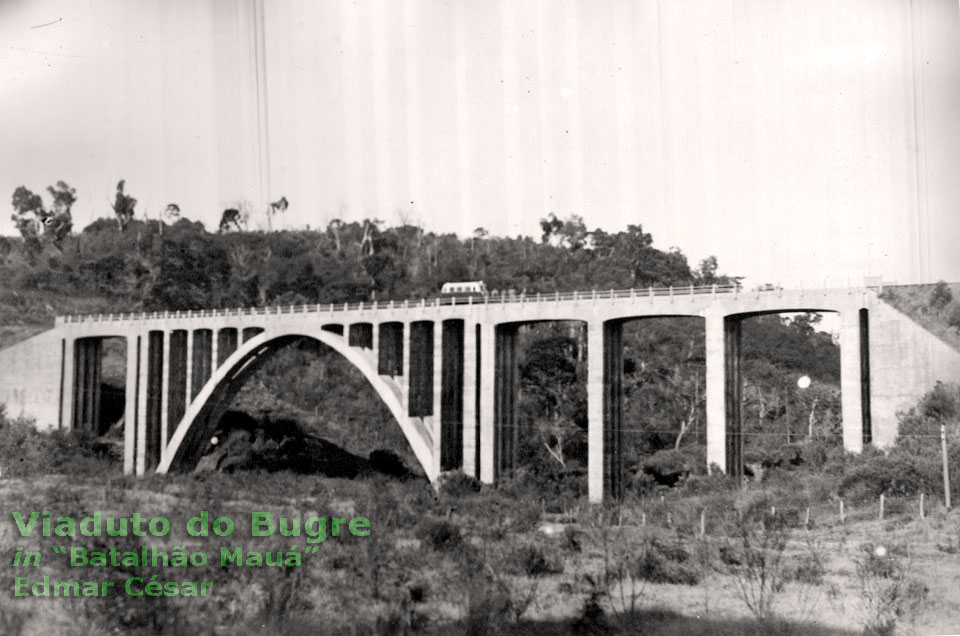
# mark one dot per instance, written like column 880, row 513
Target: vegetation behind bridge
column 129, row 264
column 412, row 577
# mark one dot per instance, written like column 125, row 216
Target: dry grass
column 398, row 582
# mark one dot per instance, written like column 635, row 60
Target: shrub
column 809, row 570
column 754, row 558
column 942, row 402
column 661, row 563
column 388, row 463
column 714, row 483
column 531, row 560
column 441, row 535
column 25, row 451
column 751, row 504
column 953, row 315
column 892, row 475
column 13, row 622
column 643, row 483
column 887, row 591
column 592, row 619
column 940, row 296
column 459, row 484
column 668, row 467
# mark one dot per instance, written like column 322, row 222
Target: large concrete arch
column 204, row 412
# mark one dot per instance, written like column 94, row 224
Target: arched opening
column 99, row 375
column 788, row 402
column 540, row 406
column 660, row 435
column 283, row 389
column 99, row 392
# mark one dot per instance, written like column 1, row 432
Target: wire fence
column 721, row 513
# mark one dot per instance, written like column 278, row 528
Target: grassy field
column 469, row 562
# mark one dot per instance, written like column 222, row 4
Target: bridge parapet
column 700, row 292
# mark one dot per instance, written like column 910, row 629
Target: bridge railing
column 494, row 298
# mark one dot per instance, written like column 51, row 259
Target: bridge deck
column 729, row 291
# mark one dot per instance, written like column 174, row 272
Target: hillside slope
column 920, row 303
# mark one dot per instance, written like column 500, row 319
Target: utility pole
column 946, row 469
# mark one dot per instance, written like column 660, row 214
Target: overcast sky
column 795, row 140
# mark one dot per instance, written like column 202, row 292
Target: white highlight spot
column 214, row 441
column 803, row 382
column 880, row 551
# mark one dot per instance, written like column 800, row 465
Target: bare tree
column 276, row 207
column 123, row 206
column 754, row 558
column 230, row 218
column 334, row 228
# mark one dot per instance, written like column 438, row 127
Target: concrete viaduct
column 446, row 368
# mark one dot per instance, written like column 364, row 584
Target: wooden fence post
column 921, row 505
column 946, row 465
column 881, row 506
column 841, row 511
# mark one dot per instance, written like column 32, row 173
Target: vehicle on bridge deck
column 463, row 289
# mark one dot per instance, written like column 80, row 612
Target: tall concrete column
column 595, row 410
column 153, row 396
column 470, row 395
column 202, row 355
column 177, row 370
column 69, row 384
column 375, row 340
column 437, row 379
column 451, row 395
column 405, row 375
column 80, row 368
column 88, row 358
column 851, row 381
column 506, row 384
column 228, row 339
column 132, row 387
column 488, row 367
column 214, row 351
column 420, row 370
column 390, row 347
column 716, row 392
column 733, row 382
column 81, row 381
column 188, row 392
column 613, row 410
column 143, row 371
column 165, row 394
column 93, row 385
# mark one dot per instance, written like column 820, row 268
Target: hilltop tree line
column 172, row 263
column 175, row 263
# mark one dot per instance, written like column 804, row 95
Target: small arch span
column 201, row 418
